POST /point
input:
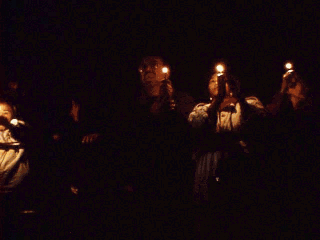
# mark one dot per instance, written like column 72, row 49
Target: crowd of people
column 168, row 168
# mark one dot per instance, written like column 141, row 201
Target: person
column 14, row 165
column 294, row 162
column 153, row 80
column 157, row 154
column 294, row 94
column 228, row 137
column 80, row 168
column 73, row 130
column 11, row 174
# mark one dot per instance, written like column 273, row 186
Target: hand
column 56, row 136
column 90, row 138
column 4, row 122
column 74, row 189
column 286, row 79
column 166, row 89
column 284, row 84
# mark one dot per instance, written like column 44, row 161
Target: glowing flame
column 220, row 68
column 165, row 70
column 289, row 66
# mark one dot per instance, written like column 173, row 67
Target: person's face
column 6, row 115
column 151, row 75
column 214, row 87
column 296, row 90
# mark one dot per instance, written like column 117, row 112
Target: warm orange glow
column 289, row 66
column 220, row 68
column 165, row 70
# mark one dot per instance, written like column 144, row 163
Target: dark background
column 94, row 48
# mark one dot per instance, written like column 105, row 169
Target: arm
column 276, row 104
column 280, row 100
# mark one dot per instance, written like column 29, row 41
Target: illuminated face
column 151, row 75
column 214, row 88
column 6, row 115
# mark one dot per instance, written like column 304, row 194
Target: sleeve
column 279, row 104
column 22, row 170
column 199, row 115
column 14, row 167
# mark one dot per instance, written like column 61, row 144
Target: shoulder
column 199, row 114
column 200, row 108
column 185, row 103
column 254, row 101
column 256, row 106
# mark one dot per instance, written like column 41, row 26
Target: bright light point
column 14, row 122
column 165, row 70
column 288, row 66
column 220, row 68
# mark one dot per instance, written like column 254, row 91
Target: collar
column 228, row 105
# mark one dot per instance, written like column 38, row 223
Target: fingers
column 74, row 190
column 84, row 139
column 90, row 138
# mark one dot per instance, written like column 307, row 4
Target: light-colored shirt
column 228, row 120
column 13, row 164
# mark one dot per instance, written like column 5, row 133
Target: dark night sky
column 89, row 45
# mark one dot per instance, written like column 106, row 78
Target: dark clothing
column 88, row 167
column 158, row 164
column 294, row 165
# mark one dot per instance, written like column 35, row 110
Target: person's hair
column 148, row 58
column 233, row 83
